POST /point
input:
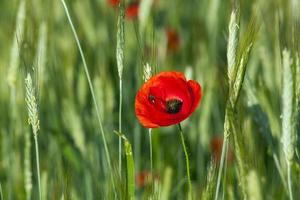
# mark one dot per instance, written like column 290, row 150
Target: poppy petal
column 132, row 10
column 196, row 91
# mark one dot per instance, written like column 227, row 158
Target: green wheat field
column 69, row 74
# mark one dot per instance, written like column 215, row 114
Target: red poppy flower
column 113, row 2
column 166, row 99
column 173, row 40
column 132, row 10
column 216, row 145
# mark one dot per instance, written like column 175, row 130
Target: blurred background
column 188, row 36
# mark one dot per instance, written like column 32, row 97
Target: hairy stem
column 151, row 153
column 187, row 162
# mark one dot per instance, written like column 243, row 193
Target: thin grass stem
column 276, row 161
column 138, row 39
column 225, row 168
column 289, row 180
column 1, row 193
column 222, row 162
column 92, row 91
column 120, row 126
column 187, row 162
column 120, row 65
column 38, row 165
column 151, row 152
column 151, row 159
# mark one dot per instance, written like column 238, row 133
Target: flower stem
column 120, row 129
column 151, row 159
column 187, row 162
column 151, row 153
column 38, row 165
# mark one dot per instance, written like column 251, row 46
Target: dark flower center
column 173, row 106
column 151, row 98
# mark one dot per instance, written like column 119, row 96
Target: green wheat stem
column 1, row 194
column 276, row 161
column 187, row 162
column 222, row 161
column 225, row 167
column 139, row 41
column 38, row 165
column 232, row 48
column 120, row 65
column 289, row 180
column 228, row 113
column 91, row 89
column 33, row 120
column 151, row 150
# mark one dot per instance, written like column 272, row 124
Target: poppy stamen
column 151, row 98
column 173, row 106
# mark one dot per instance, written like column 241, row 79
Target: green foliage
column 84, row 61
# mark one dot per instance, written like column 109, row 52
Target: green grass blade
column 1, row 193
column 92, row 91
column 130, row 171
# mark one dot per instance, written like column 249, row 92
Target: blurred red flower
column 144, row 178
column 166, row 99
column 173, row 40
column 132, row 10
column 113, row 2
column 216, row 145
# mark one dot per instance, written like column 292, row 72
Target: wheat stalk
column 33, row 120
column 120, row 64
column 236, row 75
column 233, row 40
column 41, row 57
column 288, row 115
column 15, row 50
column 147, row 72
column 27, row 167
